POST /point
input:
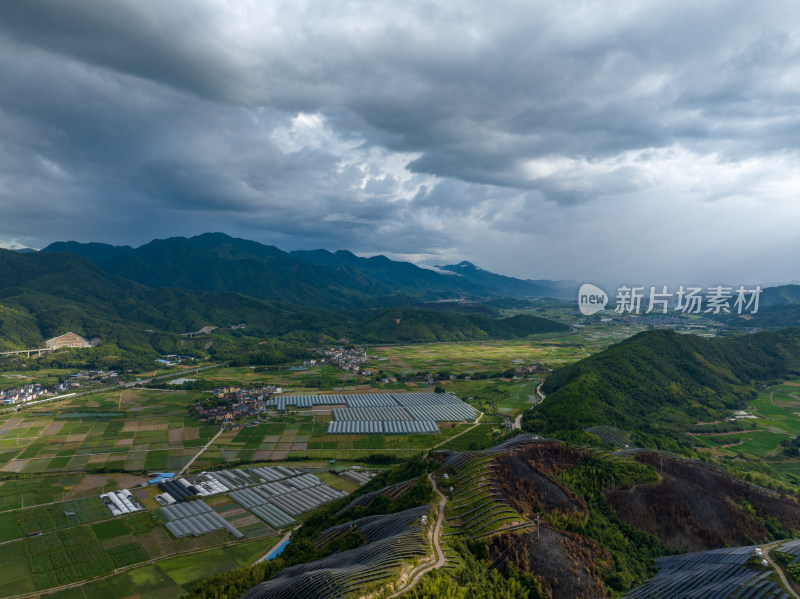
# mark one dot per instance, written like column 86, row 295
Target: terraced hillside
column 588, row 523
column 477, row 507
column 547, row 520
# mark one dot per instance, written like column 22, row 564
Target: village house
column 22, row 394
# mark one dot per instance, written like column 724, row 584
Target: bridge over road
column 28, row 352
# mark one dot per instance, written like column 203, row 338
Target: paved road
column 441, row 560
column 197, row 455
column 466, row 430
column 518, row 420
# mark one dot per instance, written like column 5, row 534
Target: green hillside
column 421, row 326
column 658, row 382
column 48, row 294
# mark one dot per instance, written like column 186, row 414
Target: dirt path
column 787, row 585
column 466, row 430
column 420, row 571
column 197, row 455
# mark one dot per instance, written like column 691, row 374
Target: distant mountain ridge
column 44, row 294
column 92, row 250
column 780, row 295
column 511, row 286
column 215, row 261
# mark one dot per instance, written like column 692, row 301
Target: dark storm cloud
column 431, row 129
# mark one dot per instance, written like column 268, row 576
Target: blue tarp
column 160, row 477
column 277, row 551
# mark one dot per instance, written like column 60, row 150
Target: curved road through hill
column 421, row 570
column 787, row 585
column 518, row 420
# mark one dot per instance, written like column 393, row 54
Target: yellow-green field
column 247, row 376
column 548, row 349
column 778, row 419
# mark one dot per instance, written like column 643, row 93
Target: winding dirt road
column 787, row 585
column 420, row 571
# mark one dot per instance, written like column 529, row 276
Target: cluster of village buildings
column 22, row 394
column 352, row 359
column 236, row 403
column 31, row 392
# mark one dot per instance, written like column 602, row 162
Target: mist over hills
column 511, row 286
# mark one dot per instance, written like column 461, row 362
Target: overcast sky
column 655, row 142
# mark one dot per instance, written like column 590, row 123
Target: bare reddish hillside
column 697, row 507
column 526, row 479
column 565, row 564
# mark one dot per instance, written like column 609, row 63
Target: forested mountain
column 93, row 251
column 402, row 276
column 511, row 286
column 780, row 296
column 658, row 382
column 46, row 294
column 215, row 261
column 220, row 263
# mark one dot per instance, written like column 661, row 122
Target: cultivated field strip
column 350, row 572
column 195, row 518
column 791, row 548
column 360, row 477
column 719, row 573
